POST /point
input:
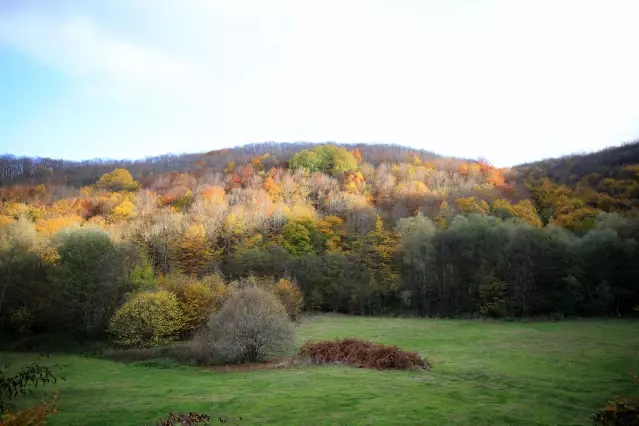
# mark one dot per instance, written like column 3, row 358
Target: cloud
column 104, row 62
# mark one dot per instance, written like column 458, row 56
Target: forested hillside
column 571, row 191
column 365, row 229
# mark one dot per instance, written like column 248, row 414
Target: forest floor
column 484, row 373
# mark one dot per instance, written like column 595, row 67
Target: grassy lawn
column 485, row 373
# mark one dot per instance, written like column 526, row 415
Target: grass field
column 485, row 373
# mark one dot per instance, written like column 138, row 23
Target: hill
column 568, row 170
column 397, row 180
column 364, row 229
column 572, row 191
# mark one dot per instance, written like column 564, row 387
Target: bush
column 620, row 412
column 361, row 353
column 290, row 296
column 251, row 325
column 147, row 319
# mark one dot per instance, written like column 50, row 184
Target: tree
column 526, row 211
column 251, row 325
column 90, row 275
column 378, row 253
column 333, row 231
column 194, row 250
column 470, row 205
column 118, row 180
column 297, row 238
column 418, row 262
column 147, row 319
column 503, row 209
column 325, row 158
column 290, row 296
column 17, row 256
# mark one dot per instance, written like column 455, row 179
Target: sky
column 511, row 81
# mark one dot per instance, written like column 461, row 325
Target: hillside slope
column 571, row 191
column 359, row 229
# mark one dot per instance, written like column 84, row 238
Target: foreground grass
column 485, row 373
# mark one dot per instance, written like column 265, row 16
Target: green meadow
column 484, row 373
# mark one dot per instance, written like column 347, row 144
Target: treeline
column 568, row 170
column 34, row 171
column 478, row 265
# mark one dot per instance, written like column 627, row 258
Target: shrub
column 147, row 319
column 251, row 325
column 620, row 412
column 361, row 353
column 290, row 296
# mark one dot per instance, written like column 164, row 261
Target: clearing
column 484, row 373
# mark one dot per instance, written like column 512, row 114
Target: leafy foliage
column 362, row 229
column 147, row 319
column 198, row 298
column 13, row 385
column 118, row 180
column 326, row 158
column 89, row 276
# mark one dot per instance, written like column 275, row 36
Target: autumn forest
column 357, row 229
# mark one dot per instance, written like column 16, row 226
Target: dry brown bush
column 362, row 354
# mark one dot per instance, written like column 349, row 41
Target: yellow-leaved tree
column 194, row 250
column 118, row 180
column 290, row 296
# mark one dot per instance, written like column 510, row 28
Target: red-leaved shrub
column 361, row 353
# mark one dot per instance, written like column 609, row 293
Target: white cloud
column 108, row 64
